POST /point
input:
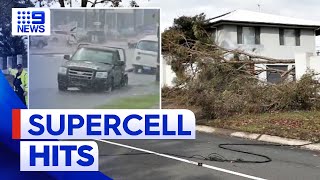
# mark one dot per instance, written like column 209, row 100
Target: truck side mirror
column 120, row 63
column 66, row 57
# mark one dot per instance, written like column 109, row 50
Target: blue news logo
column 36, row 18
column 30, row 21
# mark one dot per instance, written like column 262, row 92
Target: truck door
column 117, row 70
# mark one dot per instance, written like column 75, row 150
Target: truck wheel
column 62, row 87
column 110, row 86
column 137, row 69
column 154, row 71
column 124, row 81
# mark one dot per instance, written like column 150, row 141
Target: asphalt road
column 121, row 162
column 44, row 93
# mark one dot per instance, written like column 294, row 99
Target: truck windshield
column 87, row 54
column 148, row 46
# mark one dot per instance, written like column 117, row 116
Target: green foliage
column 183, row 40
column 222, row 91
column 135, row 102
column 133, row 3
column 191, row 26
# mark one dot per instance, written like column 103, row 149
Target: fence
column 12, row 61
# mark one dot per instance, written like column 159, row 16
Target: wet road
column 145, row 159
column 44, row 93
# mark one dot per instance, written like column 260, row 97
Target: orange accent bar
column 16, row 124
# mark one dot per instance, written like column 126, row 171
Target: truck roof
column 149, row 38
column 122, row 54
column 98, row 47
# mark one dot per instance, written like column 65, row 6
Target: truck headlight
column 62, row 70
column 102, row 75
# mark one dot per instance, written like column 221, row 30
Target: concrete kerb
column 259, row 137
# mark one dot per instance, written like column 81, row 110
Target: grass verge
column 304, row 125
column 136, row 102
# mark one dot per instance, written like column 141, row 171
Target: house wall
column 168, row 75
column 270, row 45
column 226, row 36
column 306, row 63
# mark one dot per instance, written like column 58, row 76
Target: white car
column 146, row 55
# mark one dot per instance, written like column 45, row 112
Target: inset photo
column 97, row 58
column 15, row 68
column 13, row 53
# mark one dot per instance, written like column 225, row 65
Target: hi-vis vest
column 24, row 79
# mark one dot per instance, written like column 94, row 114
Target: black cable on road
column 267, row 159
column 219, row 158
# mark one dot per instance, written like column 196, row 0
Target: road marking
column 183, row 160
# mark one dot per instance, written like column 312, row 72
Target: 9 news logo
column 30, row 21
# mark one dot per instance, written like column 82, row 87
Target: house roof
column 258, row 17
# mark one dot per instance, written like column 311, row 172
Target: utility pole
column 158, row 58
column 134, row 20
column 259, row 5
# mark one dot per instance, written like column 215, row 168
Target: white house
column 266, row 35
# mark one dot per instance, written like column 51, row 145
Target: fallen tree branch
column 255, row 59
column 252, row 56
column 257, row 62
column 288, row 72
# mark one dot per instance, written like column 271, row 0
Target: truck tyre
column 124, row 81
column 110, row 87
column 62, row 87
column 137, row 69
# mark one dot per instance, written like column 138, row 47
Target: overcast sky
column 305, row 9
column 170, row 9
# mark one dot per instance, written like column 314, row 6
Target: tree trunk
column 61, row 2
column 134, row 20
column 94, row 3
column 84, row 3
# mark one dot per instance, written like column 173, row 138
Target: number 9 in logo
column 38, row 17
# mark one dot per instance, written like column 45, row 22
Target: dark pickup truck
column 101, row 68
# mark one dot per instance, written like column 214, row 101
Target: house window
column 289, row 37
column 274, row 76
column 248, row 35
column 214, row 35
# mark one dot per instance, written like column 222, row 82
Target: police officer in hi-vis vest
column 20, row 83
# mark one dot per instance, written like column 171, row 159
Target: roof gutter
column 262, row 24
column 317, row 31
